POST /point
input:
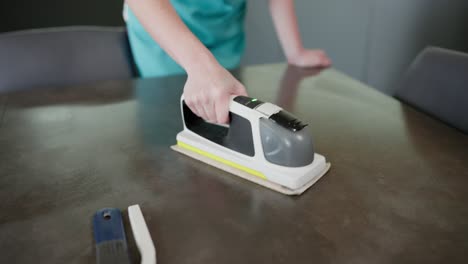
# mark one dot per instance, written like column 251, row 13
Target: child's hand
column 310, row 58
column 208, row 93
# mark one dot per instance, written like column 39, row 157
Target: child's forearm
column 162, row 22
column 285, row 21
column 209, row 86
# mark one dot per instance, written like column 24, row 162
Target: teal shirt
column 217, row 23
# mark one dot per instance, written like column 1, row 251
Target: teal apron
column 217, row 23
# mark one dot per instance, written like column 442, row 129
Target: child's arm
column 285, row 21
column 209, row 86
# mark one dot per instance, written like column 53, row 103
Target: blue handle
column 109, row 234
column 108, row 225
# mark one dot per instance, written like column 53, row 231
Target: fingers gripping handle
column 237, row 136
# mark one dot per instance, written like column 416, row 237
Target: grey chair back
column 437, row 83
column 63, row 56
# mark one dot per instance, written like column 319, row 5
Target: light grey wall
column 402, row 28
column 371, row 40
column 337, row 26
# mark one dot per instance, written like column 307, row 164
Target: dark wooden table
column 397, row 191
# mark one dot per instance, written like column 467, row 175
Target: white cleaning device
column 142, row 235
column 263, row 143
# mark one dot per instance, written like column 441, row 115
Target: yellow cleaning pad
column 259, row 179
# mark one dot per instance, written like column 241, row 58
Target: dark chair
column 63, row 56
column 437, row 83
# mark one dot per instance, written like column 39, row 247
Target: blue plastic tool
column 109, row 234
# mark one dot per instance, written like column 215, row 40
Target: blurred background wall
column 371, row 40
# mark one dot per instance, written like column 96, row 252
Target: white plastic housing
column 290, row 177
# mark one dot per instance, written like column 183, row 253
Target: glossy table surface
column 397, row 191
